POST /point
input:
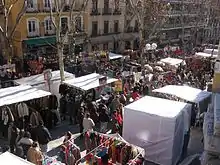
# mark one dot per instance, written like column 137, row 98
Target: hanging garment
column 23, row 110
column 5, row 117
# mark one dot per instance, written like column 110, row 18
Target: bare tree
column 150, row 15
column 62, row 31
column 6, row 32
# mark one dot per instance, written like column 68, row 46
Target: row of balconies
column 185, row 25
column 39, row 8
column 105, row 11
column 103, row 32
column 41, row 33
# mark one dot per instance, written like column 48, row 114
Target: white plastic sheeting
column 38, row 82
column 113, row 56
column 172, row 61
column 205, row 55
column 88, row 82
column 10, row 159
column 20, row 93
column 158, row 126
column 39, row 79
column 210, row 51
column 185, row 92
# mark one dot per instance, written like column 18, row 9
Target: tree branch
column 20, row 15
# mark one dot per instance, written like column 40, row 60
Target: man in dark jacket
column 104, row 119
column 43, row 137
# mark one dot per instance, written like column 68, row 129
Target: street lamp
column 149, row 47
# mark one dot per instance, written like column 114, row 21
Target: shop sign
column 216, row 83
column 118, row 86
column 217, row 67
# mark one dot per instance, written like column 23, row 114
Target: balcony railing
column 129, row 30
column 106, row 11
column 49, row 32
column 102, row 32
column 117, row 11
column 95, row 11
column 34, row 34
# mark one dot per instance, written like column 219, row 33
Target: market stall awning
column 172, row 61
column 184, row 92
column 113, row 56
column 205, row 55
column 20, row 93
column 40, row 41
column 39, row 79
column 88, row 82
column 11, row 159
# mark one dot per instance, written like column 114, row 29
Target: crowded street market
column 126, row 110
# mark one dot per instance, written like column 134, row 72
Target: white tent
column 20, row 93
column 88, row 82
column 38, row 82
column 184, row 92
column 11, row 159
column 205, row 55
column 159, row 128
column 210, row 51
column 172, row 61
column 113, row 56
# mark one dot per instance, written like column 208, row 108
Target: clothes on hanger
column 22, row 109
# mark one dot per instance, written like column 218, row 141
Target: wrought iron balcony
column 95, row 11
column 106, row 11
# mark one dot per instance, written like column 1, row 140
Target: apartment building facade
column 185, row 23
column 106, row 26
column 35, row 32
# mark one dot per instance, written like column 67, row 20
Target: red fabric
column 135, row 95
column 118, row 118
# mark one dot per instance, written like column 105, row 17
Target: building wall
column 21, row 32
column 101, row 39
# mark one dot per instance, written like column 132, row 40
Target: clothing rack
column 136, row 157
column 94, row 149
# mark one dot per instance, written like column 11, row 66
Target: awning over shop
column 40, row 41
column 184, row 92
column 89, row 81
column 20, row 93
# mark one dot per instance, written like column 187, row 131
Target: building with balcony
column 106, row 26
column 185, row 23
column 35, row 32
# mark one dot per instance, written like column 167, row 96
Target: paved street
column 195, row 144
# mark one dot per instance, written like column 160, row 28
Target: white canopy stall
column 205, row 55
column 20, row 93
column 113, row 56
column 159, row 128
column 11, row 159
column 38, row 81
column 88, row 82
column 193, row 95
column 184, row 92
